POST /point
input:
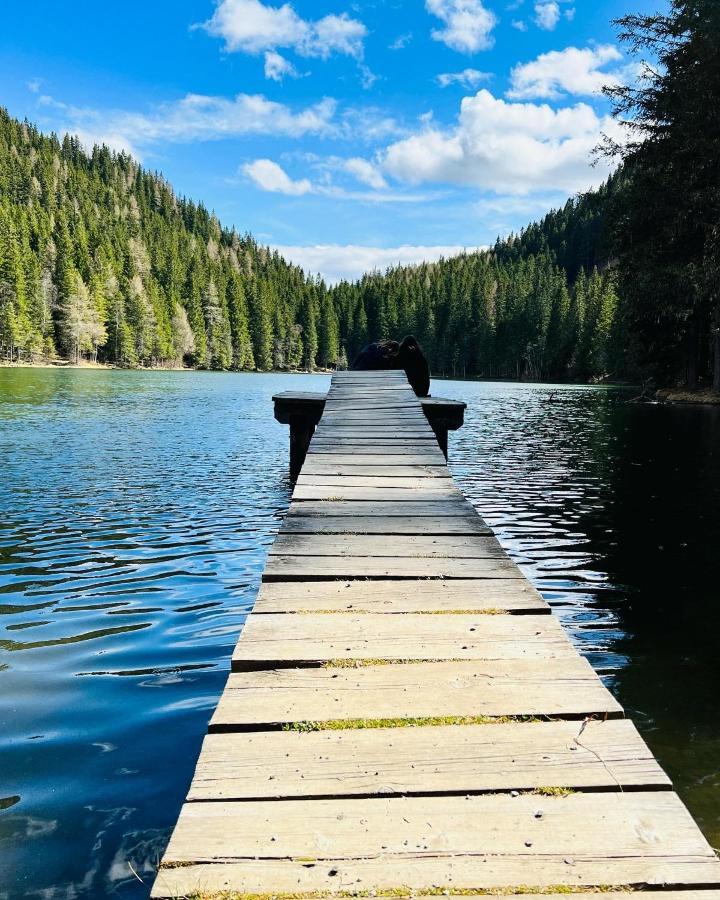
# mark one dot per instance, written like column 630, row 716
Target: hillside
column 99, row 259
column 535, row 306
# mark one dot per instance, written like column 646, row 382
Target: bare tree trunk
column 716, row 348
column 692, row 356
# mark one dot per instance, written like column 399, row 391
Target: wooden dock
column 405, row 717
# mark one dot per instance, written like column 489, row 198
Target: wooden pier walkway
column 405, row 717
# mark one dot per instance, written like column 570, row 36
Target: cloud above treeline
column 336, row 262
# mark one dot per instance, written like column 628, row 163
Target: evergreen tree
column 666, row 215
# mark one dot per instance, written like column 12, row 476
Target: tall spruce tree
column 667, row 214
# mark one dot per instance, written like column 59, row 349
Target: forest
column 100, row 260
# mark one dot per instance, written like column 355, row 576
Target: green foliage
column 100, row 260
column 506, row 313
column 666, row 215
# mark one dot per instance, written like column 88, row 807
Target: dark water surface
column 135, row 512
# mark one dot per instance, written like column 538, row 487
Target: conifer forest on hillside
column 99, row 259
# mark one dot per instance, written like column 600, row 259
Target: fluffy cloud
column 547, row 14
column 513, row 148
column 336, row 262
column 571, row 71
column 195, row 117
column 269, row 176
column 468, row 78
column 277, row 67
column 468, row 24
column 252, row 27
column 365, row 172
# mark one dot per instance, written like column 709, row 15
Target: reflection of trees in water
column 659, row 534
column 660, row 529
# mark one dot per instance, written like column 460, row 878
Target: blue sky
column 348, row 134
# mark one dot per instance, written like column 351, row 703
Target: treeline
column 100, row 260
column 665, row 219
column 505, row 313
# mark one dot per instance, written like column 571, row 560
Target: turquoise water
column 135, row 512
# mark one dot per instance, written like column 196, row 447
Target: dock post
column 301, row 411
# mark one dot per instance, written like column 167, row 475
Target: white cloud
column 34, row 85
column 468, row 24
column 547, row 14
column 269, row 176
column 336, row 262
column 277, row 67
column 519, row 25
column 401, row 41
column 250, row 26
column 195, row 117
column 365, row 172
column 501, row 147
column 468, row 78
column 571, row 71
column 367, row 77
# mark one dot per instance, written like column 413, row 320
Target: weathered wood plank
column 314, row 468
column 381, row 508
column 373, row 427
column 387, row 525
column 307, row 568
column 466, row 759
column 392, row 483
column 274, row 640
column 365, row 449
column 427, row 547
column 350, row 492
column 367, row 438
column 563, row 687
column 430, row 458
column 396, row 597
column 475, row 841
column 385, row 404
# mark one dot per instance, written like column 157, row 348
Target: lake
column 136, row 509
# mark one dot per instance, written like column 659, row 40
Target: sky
column 349, row 135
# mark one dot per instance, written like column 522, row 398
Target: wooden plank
column 424, row 546
column 395, row 597
column 466, row 759
column 384, row 404
column 370, row 433
column 563, row 687
column 349, row 492
column 420, row 459
column 375, row 420
column 363, row 448
column 375, row 431
column 309, row 568
column 279, row 640
column 382, row 508
column 387, row 525
column 467, row 842
column 315, row 468
column 381, row 481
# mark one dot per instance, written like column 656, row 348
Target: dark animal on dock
column 405, row 355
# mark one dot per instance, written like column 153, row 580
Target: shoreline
column 665, row 396
column 683, row 397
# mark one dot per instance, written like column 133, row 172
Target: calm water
column 135, row 512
